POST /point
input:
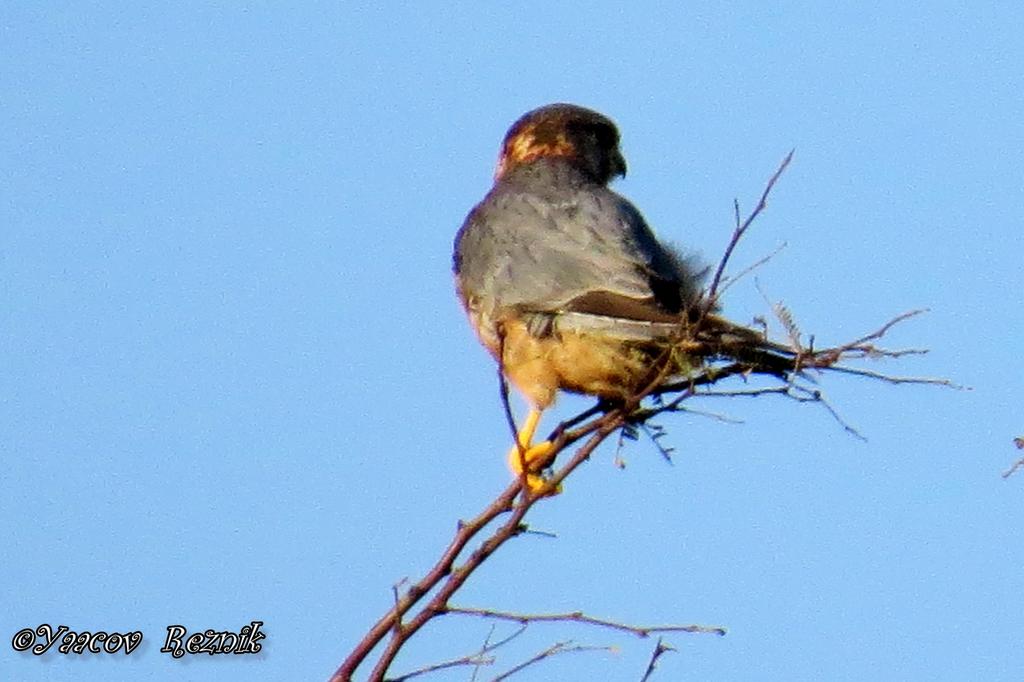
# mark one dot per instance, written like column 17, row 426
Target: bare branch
column 715, row 416
column 818, row 397
column 741, row 228
column 660, row 649
column 748, row 392
column 729, row 281
column 553, row 650
column 726, row 353
column 1019, row 442
column 1013, row 469
column 879, row 333
column 800, row 394
column 541, row 533
column 580, row 617
column 398, row 614
column 889, row 379
column 446, row 577
column 475, row 660
column 465, row 532
column 488, row 646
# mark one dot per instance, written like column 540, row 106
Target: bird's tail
column 715, row 337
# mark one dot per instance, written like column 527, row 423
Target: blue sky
column 236, row 384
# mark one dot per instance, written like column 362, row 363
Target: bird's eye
column 606, row 136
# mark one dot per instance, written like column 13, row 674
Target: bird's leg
column 524, row 456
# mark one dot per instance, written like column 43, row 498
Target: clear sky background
column 235, row 383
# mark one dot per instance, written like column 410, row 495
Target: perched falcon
column 562, row 279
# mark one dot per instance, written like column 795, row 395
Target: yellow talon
column 524, row 456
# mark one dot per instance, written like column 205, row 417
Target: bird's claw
column 533, row 460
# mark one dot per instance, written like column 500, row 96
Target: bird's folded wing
column 588, row 251
column 614, row 327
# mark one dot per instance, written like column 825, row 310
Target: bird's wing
column 586, row 251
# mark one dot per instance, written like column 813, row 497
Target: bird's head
column 581, row 136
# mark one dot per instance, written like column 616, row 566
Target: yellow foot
column 531, row 458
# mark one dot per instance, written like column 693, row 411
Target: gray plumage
column 550, row 241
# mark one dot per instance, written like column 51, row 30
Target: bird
column 564, row 282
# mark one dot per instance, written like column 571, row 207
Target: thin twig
column 488, row 646
column 714, row 416
column 478, row 659
column 553, row 650
column 541, row 533
column 741, row 228
column 660, row 649
column 748, row 392
column 729, row 281
column 597, row 408
column 1016, row 465
column 1019, row 443
column 890, row 379
column 819, row 398
column 879, row 333
column 483, row 647
column 473, row 659
column 398, row 614
column 580, row 617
